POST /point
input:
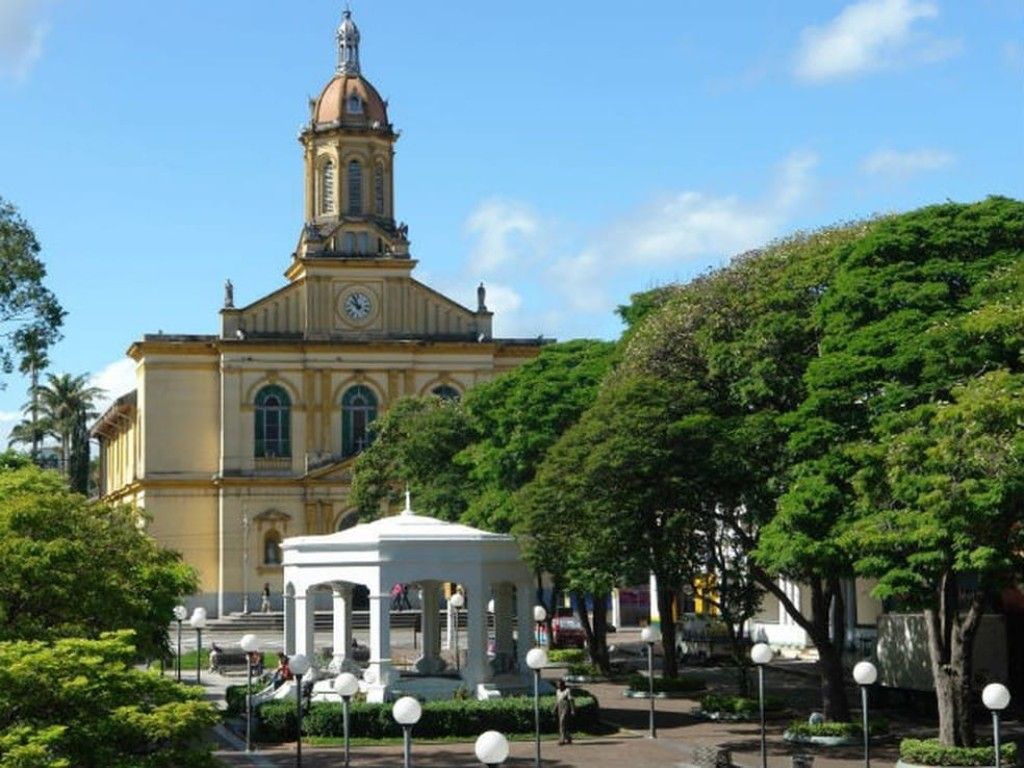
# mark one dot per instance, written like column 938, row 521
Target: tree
column 72, row 568
column 922, row 312
column 415, row 445
column 943, row 504
column 68, row 403
column 615, row 498
column 30, row 316
column 744, row 335
column 81, row 703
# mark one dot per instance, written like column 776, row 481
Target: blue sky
column 566, row 153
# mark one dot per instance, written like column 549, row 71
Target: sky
column 567, row 154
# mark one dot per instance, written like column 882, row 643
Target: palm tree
column 67, row 403
column 32, row 344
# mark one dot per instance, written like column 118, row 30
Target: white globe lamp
column 996, row 697
column 491, row 748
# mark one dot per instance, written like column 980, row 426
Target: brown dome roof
column 336, row 105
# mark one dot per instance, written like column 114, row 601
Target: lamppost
column 407, row 712
column 865, row 674
column 491, row 748
column 457, row 601
column 996, row 697
column 536, row 659
column 198, row 622
column 761, row 654
column 249, row 645
column 180, row 614
column 539, row 615
column 649, row 636
column 345, row 685
column 299, row 665
column 245, row 564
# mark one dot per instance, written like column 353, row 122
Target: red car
column 567, row 632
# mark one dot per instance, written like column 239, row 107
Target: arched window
column 446, row 392
column 358, row 410
column 273, row 423
column 272, row 548
column 355, row 187
column 355, row 105
column 327, row 187
column 350, row 244
column 378, row 189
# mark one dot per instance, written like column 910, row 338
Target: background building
column 232, row 442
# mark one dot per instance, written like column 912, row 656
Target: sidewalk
column 679, row 734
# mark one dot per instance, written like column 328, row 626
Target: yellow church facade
column 231, row 442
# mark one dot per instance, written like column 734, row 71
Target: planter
column 821, row 741
column 631, row 694
column 725, row 717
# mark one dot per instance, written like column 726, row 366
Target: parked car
column 567, row 632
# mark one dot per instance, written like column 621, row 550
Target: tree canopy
column 81, row 703
column 74, row 568
column 30, row 316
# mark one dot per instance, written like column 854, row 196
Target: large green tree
column 73, row 568
column 905, row 437
column 744, row 336
column 617, row 496
column 415, row 445
column 78, row 703
column 30, row 316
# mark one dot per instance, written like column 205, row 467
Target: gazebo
column 413, row 549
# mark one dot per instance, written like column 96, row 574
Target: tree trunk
column 35, row 413
column 599, row 648
column 666, row 602
column 830, row 661
column 739, row 657
column 950, row 648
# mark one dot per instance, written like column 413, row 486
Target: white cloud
column 115, row 379
column 23, row 29
column 870, row 35
column 506, row 233
column 889, row 162
column 669, row 238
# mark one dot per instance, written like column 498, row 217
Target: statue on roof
column 229, row 295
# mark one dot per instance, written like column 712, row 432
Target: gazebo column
column 380, row 644
column 503, row 610
column 524, row 618
column 304, row 605
column 430, row 662
column 477, row 670
column 342, row 634
column 289, row 620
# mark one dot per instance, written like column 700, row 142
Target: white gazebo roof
column 406, row 526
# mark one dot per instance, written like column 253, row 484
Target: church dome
column 350, row 99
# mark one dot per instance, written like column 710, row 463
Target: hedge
column 641, row 684
column 467, row 718
column 567, row 656
column 234, row 695
column 853, row 728
column 931, row 752
column 738, row 705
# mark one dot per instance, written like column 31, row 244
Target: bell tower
column 348, row 152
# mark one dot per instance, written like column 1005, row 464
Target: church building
column 232, row 442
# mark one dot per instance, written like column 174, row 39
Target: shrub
column 803, row 728
column 440, row 718
column 738, row 705
column 234, row 695
column 567, row 656
column 585, row 670
column 641, row 683
column 931, row 752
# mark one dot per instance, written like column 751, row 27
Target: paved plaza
column 680, row 732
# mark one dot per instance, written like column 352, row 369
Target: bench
column 230, row 661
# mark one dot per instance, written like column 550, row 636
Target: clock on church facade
column 232, row 442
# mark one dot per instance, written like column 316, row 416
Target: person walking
column 565, row 710
column 265, row 598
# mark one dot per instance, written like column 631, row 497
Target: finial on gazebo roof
column 408, row 501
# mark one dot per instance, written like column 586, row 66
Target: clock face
column 358, row 305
